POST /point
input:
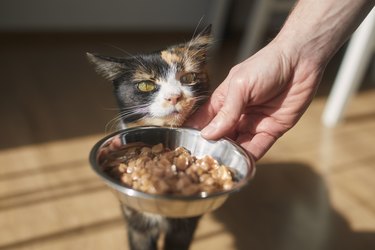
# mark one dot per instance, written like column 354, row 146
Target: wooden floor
column 314, row 190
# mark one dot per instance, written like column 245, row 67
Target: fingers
column 258, row 132
column 208, row 111
column 258, row 145
column 228, row 115
column 202, row 116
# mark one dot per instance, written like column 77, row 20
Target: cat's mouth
column 174, row 113
column 177, row 114
column 178, row 110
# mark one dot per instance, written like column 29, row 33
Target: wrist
column 300, row 55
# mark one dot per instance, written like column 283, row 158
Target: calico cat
column 161, row 88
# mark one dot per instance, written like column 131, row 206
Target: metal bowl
column 224, row 151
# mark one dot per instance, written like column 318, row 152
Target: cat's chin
column 174, row 119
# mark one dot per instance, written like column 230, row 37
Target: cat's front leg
column 180, row 233
column 142, row 240
column 143, row 230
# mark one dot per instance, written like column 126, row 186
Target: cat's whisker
column 129, row 107
column 114, row 123
column 140, row 62
column 191, row 41
column 135, row 107
column 109, row 127
column 111, row 109
column 194, row 36
column 201, row 98
column 205, row 94
column 129, row 55
column 186, row 57
column 196, row 28
column 188, row 50
column 196, row 52
column 121, row 49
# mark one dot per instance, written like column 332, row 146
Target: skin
column 265, row 96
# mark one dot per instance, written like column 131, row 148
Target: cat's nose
column 173, row 99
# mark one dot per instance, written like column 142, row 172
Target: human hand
column 261, row 99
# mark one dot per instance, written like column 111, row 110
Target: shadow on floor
column 287, row 206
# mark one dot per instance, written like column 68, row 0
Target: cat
column 161, row 88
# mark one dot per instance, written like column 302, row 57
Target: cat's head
column 160, row 88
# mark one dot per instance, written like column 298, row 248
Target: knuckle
column 240, row 80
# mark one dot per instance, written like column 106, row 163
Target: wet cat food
column 159, row 170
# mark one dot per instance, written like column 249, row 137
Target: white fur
column 169, row 88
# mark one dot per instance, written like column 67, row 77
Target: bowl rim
column 115, row 184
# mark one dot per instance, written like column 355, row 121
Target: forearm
column 316, row 29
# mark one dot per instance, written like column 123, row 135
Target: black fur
column 143, row 233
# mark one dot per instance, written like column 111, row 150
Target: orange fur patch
column 140, row 75
column 170, row 58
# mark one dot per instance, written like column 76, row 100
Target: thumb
column 228, row 115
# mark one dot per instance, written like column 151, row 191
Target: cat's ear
column 109, row 67
column 203, row 40
column 207, row 30
column 200, row 45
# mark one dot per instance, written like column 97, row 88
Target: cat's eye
column 188, row 78
column 146, row 86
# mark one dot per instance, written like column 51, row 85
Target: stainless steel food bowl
column 223, row 150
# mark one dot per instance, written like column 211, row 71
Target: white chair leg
column 352, row 69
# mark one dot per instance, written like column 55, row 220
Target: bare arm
column 318, row 28
column 264, row 96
